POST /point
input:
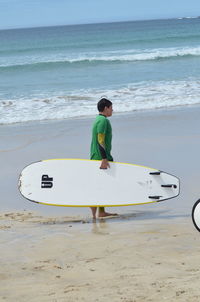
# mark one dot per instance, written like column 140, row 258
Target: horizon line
column 110, row 22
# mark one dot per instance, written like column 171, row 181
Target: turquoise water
column 61, row 72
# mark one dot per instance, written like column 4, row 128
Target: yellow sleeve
column 101, row 143
column 101, row 139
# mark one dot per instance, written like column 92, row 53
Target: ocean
column 61, row 72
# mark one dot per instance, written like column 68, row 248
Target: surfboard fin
column 155, row 173
column 169, row 186
column 155, row 197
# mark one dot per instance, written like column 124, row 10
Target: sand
column 118, row 259
column 148, row 253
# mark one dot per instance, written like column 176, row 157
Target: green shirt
column 101, row 149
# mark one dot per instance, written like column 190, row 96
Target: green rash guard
column 101, row 139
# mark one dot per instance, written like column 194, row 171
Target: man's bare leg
column 103, row 213
column 94, row 210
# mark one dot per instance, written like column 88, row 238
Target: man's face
column 108, row 111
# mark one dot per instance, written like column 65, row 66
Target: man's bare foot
column 106, row 214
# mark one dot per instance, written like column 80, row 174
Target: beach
column 115, row 260
column 148, row 253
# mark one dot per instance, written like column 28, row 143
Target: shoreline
column 134, row 113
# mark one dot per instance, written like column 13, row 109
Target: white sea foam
column 106, row 56
column 132, row 97
column 182, row 18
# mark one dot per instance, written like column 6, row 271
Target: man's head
column 105, row 107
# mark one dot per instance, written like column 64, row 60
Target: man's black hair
column 103, row 103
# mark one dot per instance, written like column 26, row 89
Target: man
column 102, row 143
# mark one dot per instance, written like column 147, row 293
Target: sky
column 33, row 13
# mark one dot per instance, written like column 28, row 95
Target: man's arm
column 102, row 149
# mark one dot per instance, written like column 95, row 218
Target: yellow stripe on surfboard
column 95, row 206
column 99, row 161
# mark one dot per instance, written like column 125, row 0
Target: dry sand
column 120, row 259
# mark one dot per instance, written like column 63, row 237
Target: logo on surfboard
column 46, row 182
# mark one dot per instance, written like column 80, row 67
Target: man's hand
column 104, row 164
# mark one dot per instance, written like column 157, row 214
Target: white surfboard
column 196, row 215
column 79, row 182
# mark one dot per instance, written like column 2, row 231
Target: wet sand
column 166, row 140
